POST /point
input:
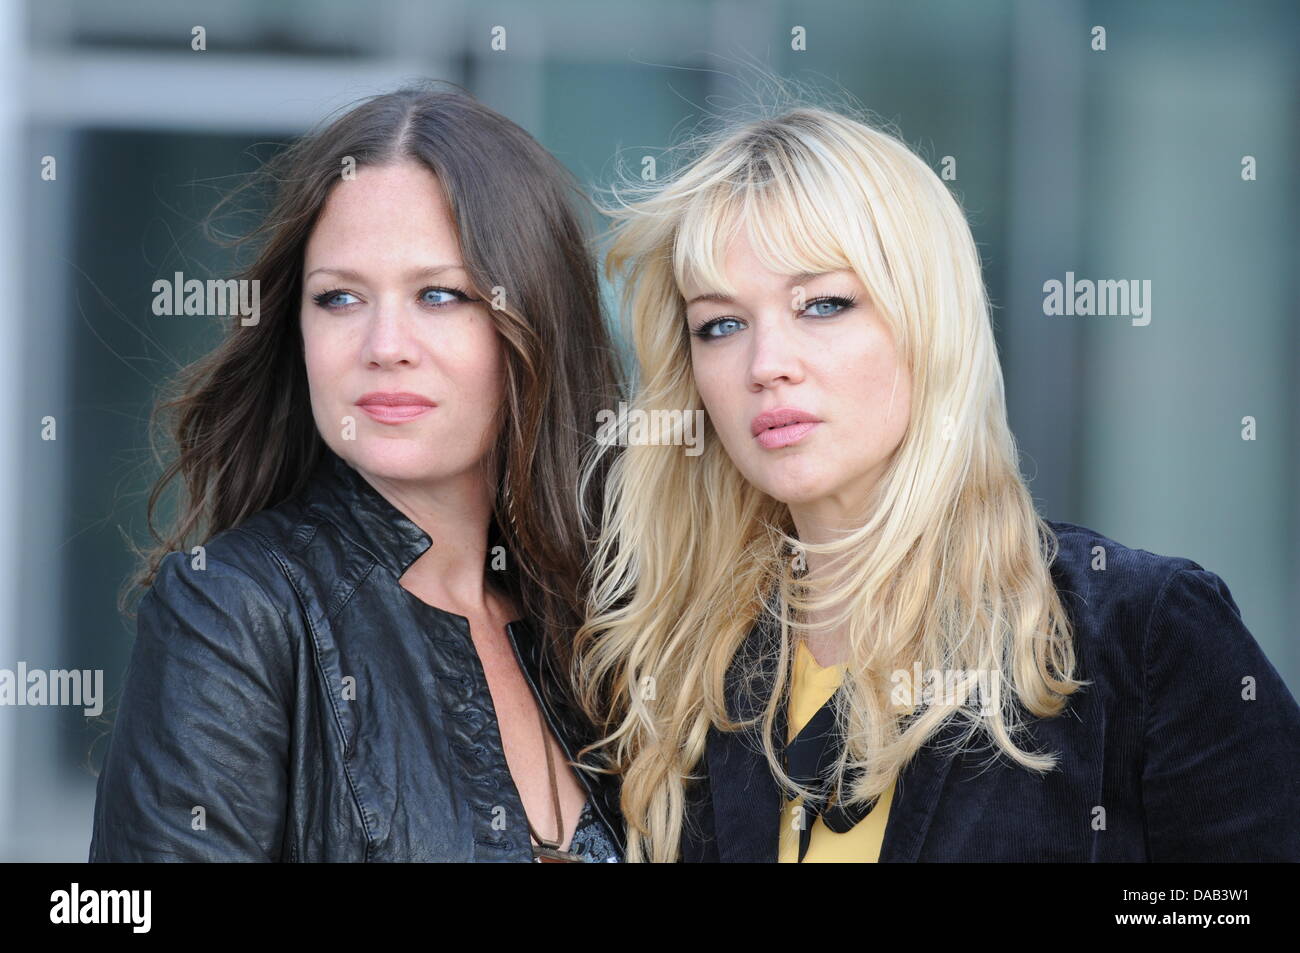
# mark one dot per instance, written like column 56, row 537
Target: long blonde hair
column 948, row 569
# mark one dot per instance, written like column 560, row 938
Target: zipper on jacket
column 596, row 802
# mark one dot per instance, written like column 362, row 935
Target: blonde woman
column 841, row 631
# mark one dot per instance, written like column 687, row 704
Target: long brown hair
column 240, row 418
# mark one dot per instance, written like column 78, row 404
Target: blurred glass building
column 1124, row 162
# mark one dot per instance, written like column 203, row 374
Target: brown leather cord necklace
column 544, row 851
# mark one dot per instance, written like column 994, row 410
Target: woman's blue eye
column 707, row 329
column 827, row 307
column 325, row 297
column 443, row 297
column 837, row 304
column 448, row 296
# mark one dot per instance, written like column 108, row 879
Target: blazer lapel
column 748, row 806
column 916, row 795
column 747, row 803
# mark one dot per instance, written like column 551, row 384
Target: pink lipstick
column 389, row 407
column 782, row 427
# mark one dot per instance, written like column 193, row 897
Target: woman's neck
column 455, row 515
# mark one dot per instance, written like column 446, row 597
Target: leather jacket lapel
column 570, row 727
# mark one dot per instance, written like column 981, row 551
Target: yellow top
column 810, row 688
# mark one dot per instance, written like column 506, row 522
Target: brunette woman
column 356, row 635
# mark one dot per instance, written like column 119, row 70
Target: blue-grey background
column 1117, row 164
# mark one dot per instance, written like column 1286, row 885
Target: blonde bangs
column 791, row 228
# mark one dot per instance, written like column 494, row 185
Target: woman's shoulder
column 285, row 549
column 217, row 613
column 237, row 575
column 230, row 587
column 1162, row 618
column 1099, row 552
column 254, row 549
column 1101, row 575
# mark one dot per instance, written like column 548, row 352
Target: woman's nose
column 388, row 335
column 775, row 356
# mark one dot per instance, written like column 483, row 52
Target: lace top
column 591, row 841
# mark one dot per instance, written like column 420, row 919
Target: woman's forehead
column 702, row 255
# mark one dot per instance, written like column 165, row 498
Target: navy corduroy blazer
column 1186, row 747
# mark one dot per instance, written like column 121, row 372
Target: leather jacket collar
column 337, row 492
column 341, row 494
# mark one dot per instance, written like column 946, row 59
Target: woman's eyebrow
column 806, row 276
column 714, row 296
column 426, row 271
column 718, row 298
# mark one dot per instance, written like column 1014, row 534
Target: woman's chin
column 794, row 480
column 794, row 492
column 409, row 464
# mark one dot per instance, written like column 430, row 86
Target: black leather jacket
column 292, row 702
